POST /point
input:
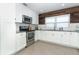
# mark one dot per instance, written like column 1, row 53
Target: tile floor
column 43, row 48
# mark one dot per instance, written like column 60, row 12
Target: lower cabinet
column 64, row 38
column 74, row 39
column 20, row 41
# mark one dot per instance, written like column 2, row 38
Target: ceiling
column 46, row 7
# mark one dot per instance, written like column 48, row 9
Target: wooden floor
column 43, row 48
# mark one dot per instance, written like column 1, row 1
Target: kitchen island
column 65, row 38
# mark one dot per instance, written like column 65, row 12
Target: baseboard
column 18, row 50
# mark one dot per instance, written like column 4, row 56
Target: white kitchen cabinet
column 19, row 14
column 20, row 40
column 8, row 13
column 23, row 10
column 7, row 28
column 69, row 39
column 43, row 35
column 74, row 40
column 40, row 35
column 37, row 35
column 7, row 35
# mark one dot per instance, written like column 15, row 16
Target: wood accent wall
column 74, row 18
column 73, row 11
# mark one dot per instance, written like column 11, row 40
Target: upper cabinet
column 23, row 10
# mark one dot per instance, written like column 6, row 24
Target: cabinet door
column 43, row 35
column 47, row 36
column 55, row 37
column 74, row 39
column 20, row 41
column 7, row 28
column 19, row 12
column 37, row 35
column 66, row 38
column 23, row 39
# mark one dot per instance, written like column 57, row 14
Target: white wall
column 24, row 10
column 7, row 28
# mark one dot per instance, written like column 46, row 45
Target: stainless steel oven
column 23, row 28
column 30, row 37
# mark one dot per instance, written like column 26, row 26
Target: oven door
column 23, row 28
column 30, row 35
column 30, row 38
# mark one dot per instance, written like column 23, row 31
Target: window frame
column 55, row 23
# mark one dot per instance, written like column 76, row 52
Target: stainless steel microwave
column 26, row 19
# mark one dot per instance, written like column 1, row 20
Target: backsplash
column 44, row 27
column 72, row 27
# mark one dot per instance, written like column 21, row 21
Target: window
column 60, row 25
column 50, row 22
column 58, row 21
column 63, row 18
column 62, row 21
